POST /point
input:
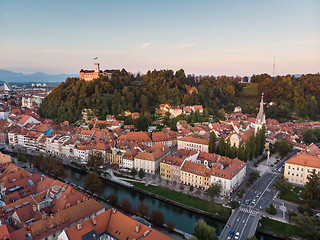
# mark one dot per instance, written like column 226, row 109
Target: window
column 288, row 167
column 288, row 173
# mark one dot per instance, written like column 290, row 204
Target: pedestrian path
column 250, row 211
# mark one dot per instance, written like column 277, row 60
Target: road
column 245, row 219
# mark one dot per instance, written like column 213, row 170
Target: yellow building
column 114, row 156
column 195, row 174
column 170, row 168
column 298, row 167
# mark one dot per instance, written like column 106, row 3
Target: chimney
column 51, row 216
column 72, row 191
column 34, row 208
column 44, row 216
column 114, row 210
column 94, row 221
column 41, row 179
column 65, row 196
column 137, row 228
column 79, row 226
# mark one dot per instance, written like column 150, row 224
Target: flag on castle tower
column 95, row 58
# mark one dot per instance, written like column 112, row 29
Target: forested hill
column 144, row 93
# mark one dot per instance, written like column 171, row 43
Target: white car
column 237, row 235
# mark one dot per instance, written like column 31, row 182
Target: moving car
column 237, row 235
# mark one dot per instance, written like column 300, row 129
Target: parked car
column 247, row 202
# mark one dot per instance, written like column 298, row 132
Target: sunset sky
column 229, row 37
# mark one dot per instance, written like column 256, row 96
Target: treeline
column 138, row 94
column 124, row 91
column 295, row 97
column 48, row 164
column 253, row 147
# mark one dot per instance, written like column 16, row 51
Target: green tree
column 203, row 231
column 310, row 135
column 312, row 186
column 212, row 142
column 221, row 114
column 133, row 172
column 283, row 147
column 141, row 173
column 307, row 224
column 234, row 204
column 254, row 175
column 282, row 184
column 222, row 146
column 214, row 190
column 271, row 209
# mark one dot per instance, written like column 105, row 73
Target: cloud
column 146, row 44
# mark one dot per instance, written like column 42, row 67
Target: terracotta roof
column 195, row 168
column 117, row 225
column 136, row 136
column 160, row 137
column 304, row 159
column 62, row 219
column 4, row 233
column 194, row 140
column 171, row 160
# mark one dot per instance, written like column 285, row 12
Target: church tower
column 261, row 118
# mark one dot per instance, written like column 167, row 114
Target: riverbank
column 190, row 202
column 278, row 229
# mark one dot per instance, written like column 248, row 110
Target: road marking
column 244, row 227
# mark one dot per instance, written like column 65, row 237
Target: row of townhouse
column 201, row 169
column 148, row 160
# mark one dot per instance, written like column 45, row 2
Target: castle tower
column 96, row 67
column 261, row 118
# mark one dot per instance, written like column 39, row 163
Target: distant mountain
column 8, row 76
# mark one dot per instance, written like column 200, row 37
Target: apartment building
column 298, row 167
column 195, row 174
column 170, row 167
column 193, row 143
column 150, row 161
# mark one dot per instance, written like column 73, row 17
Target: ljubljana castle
column 89, row 75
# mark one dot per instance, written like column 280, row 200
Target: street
column 245, row 219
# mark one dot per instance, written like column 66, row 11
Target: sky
column 229, row 37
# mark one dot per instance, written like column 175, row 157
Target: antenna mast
column 274, row 65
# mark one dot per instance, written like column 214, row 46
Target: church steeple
column 261, row 118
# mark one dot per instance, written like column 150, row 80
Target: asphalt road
column 245, row 219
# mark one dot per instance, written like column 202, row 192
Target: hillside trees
column 294, row 97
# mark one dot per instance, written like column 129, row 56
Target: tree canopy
column 203, row 231
column 125, row 91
